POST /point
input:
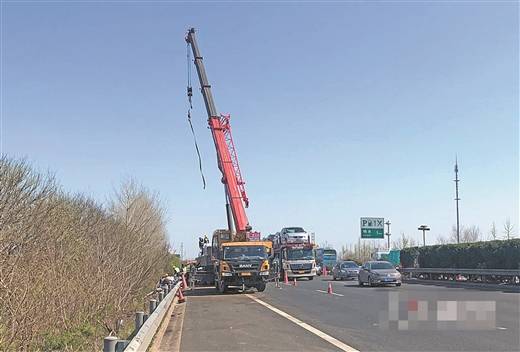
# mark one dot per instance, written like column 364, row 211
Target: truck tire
column 311, row 277
column 260, row 287
column 222, row 288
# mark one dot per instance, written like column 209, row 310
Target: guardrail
column 146, row 324
column 487, row 276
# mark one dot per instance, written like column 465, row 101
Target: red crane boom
column 226, row 153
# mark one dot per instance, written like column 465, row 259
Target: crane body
column 237, row 258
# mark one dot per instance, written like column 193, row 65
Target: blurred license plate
column 301, row 271
column 388, row 279
column 245, row 274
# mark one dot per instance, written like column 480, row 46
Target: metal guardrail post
column 152, row 306
column 109, row 344
column 121, row 345
column 160, row 295
column 139, row 320
column 144, row 337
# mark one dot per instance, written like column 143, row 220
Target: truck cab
column 295, row 253
column 240, row 264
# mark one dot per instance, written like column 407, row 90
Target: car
column 294, row 235
column 379, row 273
column 345, row 270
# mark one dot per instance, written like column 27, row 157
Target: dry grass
column 70, row 267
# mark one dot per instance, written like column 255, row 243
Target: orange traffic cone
column 329, row 290
column 184, row 285
column 285, row 278
column 294, row 282
column 324, row 271
column 180, row 296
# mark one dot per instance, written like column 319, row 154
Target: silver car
column 379, row 273
column 347, row 270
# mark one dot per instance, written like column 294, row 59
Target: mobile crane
column 238, row 257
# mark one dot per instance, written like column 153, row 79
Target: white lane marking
column 342, row 346
column 336, row 294
column 501, row 328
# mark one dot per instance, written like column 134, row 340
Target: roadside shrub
column 70, row 267
column 477, row 255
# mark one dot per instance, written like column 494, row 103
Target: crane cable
column 190, row 94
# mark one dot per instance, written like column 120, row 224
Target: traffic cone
column 324, row 271
column 294, row 282
column 180, row 296
column 184, row 285
column 285, row 278
column 329, row 290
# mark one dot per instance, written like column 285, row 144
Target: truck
column 295, row 258
column 237, row 257
column 239, row 264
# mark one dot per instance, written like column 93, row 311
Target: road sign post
column 372, row 228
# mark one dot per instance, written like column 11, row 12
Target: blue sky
column 339, row 110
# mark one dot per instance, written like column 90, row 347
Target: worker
column 170, row 279
column 206, row 239
column 162, row 280
column 201, row 245
column 276, row 273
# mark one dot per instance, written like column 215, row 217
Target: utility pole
column 423, row 228
column 457, row 196
column 182, row 251
column 387, row 223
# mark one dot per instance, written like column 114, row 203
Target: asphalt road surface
column 307, row 318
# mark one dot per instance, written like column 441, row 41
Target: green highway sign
column 372, row 228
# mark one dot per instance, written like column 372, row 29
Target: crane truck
column 239, row 258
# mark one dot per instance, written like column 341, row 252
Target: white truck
column 295, row 253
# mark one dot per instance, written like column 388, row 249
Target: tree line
column 73, row 270
column 363, row 250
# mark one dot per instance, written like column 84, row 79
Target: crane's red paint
column 228, row 165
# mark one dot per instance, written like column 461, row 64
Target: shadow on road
column 468, row 286
column 210, row 291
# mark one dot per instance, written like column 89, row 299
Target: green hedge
column 478, row 255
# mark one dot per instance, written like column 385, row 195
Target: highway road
column 306, row 318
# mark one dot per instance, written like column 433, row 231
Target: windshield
column 381, row 265
column 349, row 265
column 244, row 253
column 304, row 254
column 294, row 229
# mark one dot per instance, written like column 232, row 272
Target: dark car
column 345, row 270
column 379, row 273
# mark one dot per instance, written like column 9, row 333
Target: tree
column 470, row 234
column 442, row 240
column 404, row 242
column 493, row 231
column 509, row 229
